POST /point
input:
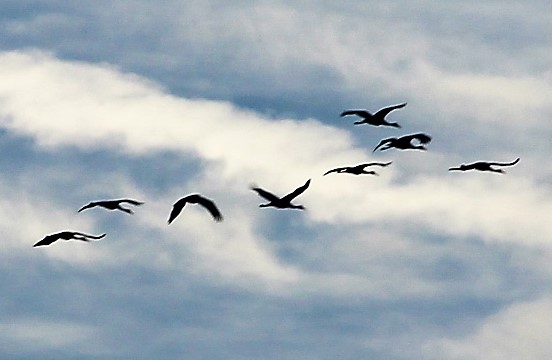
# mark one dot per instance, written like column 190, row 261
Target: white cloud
column 87, row 106
column 520, row 331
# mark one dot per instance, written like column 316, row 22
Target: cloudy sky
column 157, row 100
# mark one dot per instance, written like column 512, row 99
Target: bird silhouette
column 405, row 142
column 284, row 202
column 358, row 169
column 377, row 119
column 112, row 205
column 195, row 199
column 484, row 166
column 67, row 235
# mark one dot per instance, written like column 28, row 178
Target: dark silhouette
column 284, row 202
column 195, row 199
column 358, row 169
column 112, row 205
column 67, row 235
column 405, row 142
column 377, row 119
column 484, row 166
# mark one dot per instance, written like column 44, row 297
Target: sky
column 157, row 100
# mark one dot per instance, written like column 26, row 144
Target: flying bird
column 195, row 199
column 112, row 205
column 405, row 142
column 67, row 235
column 358, row 169
column 376, row 119
column 484, row 166
column 284, row 202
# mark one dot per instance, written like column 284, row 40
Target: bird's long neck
column 459, row 168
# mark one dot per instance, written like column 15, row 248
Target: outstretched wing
column 177, row 208
column 421, row 137
column 361, row 113
column 48, row 239
column 505, row 164
column 383, row 112
column 339, row 169
column 207, row 204
column 131, row 202
column 296, row 192
column 263, row 193
column 383, row 142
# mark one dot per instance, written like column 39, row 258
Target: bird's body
column 112, row 205
column 284, row 202
column 67, row 235
column 484, row 166
column 405, row 142
column 358, row 169
column 376, row 119
column 195, row 199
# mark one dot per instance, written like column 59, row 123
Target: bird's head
column 458, row 168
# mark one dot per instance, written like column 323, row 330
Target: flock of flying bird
column 413, row 141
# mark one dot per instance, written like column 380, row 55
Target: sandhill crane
column 112, row 205
column 484, row 166
column 358, row 169
column 284, row 202
column 405, row 142
column 376, row 119
column 67, row 235
column 195, row 199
